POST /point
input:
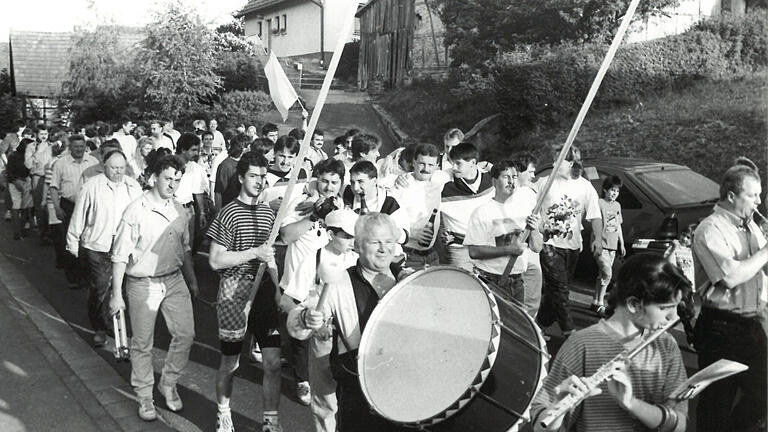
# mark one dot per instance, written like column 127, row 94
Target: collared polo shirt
column 68, row 173
column 193, row 182
column 720, row 243
column 98, row 210
column 151, row 239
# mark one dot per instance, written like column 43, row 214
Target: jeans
column 73, row 266
column 170, row 295
column 99, row 284
column 513, row 291
column 723, row 335
column 605, row 273
column 323, row 385
column 459, row 257
column 532, row 285
column 558, row 266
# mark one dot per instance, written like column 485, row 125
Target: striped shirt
column 460, row 199
column 238, row 227
column 655, row 372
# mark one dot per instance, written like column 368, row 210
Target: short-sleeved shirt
column 151, row 238
column 419, row 199
column 720, row 243
column 227, row 183
column 568, row 202
column 655, row 373
column 303, row 281
column 612, row 220
column 491, row 224
column 305, row 246
column 238, row 227
column 40, row 158
column 68, row 175
column 193, row 182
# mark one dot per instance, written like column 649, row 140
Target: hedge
column 553, row 87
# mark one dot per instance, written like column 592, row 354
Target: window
column 681, row 186
column 285, row 23
column 260, row 28
column 277, row 24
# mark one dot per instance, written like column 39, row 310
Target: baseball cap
column 343, row 219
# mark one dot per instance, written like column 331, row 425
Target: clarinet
column 763, row 221
column 601, row 375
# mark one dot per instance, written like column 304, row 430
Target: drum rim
column 490, row 354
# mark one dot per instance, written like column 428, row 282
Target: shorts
column 263, row 320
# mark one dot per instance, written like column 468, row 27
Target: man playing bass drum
column 637, row 395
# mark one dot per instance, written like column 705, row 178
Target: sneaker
column 304, row 393
column 268, row 426
column 147, row 410
column 254, row 354
column 99, row 338
column 224, row 422
column 172, row 399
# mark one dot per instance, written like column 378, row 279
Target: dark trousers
column 722, row 335
column 354, row 414
column 99, row 284
column 41, row 211
column 73, row 267
column 557, row 266
column 513, row 291
column 300, row 357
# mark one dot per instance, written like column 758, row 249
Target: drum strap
column 349, row 349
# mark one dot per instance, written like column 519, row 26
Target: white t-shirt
column 521, row 205
column 492, row 224
column 571, row 200
column 128, row 144
column 194, row 181
column 419, row 199
column 223, row 155
column 302, row 248
column 218, row 139
column 166, row 142
column 298, row 287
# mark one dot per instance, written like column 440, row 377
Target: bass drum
column 441, row 352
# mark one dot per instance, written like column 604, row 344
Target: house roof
column 40, row 61
column 257, row 5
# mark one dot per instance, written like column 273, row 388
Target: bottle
column 363, row 205
column 429, row 226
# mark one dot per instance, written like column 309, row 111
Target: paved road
column 35, row 262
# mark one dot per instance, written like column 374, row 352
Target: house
column 301, row 29
column 38, row 63
column 402, row 39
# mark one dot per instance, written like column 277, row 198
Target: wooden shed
column 386, row 36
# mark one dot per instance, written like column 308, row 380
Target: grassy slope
column 704, row 126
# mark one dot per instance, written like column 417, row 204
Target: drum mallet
column 122, row 352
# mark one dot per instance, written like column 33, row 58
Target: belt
column 164, row 275
column 188, row 205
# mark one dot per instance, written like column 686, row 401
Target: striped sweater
column 655, row 373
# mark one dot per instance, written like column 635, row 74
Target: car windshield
column 681, row 186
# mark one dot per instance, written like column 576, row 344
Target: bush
column 246, row 107
column 552, row 88
column 239, row 70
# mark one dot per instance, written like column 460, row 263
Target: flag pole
column 281, row 212
column 626, row 20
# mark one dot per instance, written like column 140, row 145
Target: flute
column 601, row 375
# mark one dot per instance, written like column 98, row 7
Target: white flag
column 280, row 88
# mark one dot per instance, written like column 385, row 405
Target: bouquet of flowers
column 559, row 219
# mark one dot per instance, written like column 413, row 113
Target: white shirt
column 215, row 167
column 419, row 199
column 574, row 196
column 302, row 248
column 193, row 182
column 218, row 138
column 164, row 141
column 299, row 286
column 492, row 224
column 98, row 210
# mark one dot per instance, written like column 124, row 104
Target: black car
column 658, row 200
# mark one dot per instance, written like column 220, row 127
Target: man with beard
column 152, row 253
column 98, row 210
column 238, row 247
column 493, row 235
column 193, row 185
column 419, row 193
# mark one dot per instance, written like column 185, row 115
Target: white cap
column 344, row 219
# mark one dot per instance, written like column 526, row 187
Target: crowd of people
column 126, row 208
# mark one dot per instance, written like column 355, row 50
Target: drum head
column 430, row 340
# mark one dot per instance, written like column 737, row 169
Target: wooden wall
column 386, row 36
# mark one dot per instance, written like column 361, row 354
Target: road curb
column 89, row 377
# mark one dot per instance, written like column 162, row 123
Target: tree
column 10, row 106
column 239, row 70
column 476, row 31
column 100, row 81
column 230, row 37
column 175, row 62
